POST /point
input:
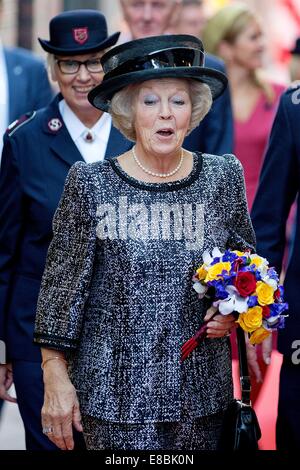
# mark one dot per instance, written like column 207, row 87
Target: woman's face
column 248, row 47
column 76, row 86
column 162, row 114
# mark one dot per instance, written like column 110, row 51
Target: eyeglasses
column 70, row 66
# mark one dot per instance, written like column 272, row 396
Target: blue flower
column 275, row 322
column 257, row 275
column 273, row 274
column 281, row 290
column 278, row 308
column 230, row 256
column 220, row 291
column 228, row 278
column 252, row 301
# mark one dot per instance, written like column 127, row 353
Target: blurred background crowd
column 24, row 20
column 257, row 77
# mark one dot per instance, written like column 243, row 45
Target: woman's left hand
column 61, row 408
column 219, row 325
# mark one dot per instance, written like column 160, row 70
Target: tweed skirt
column 200, row 434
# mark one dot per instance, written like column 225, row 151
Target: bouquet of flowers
column 243, row 284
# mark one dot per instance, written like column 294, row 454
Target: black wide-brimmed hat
column 296, row 49
column 174, row 56
column 78, row 32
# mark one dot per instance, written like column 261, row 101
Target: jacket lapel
column 64, row 147
column 117, row 144
column 62, row 144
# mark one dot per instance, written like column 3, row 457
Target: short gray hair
column 51, row 61
column 121, row 107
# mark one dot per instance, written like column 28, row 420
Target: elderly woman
column 116, row 301
column 38, row 152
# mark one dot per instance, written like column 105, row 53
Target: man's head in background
column 191, row 18
column 149, row 17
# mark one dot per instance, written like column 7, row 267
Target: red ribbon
column 193, row 342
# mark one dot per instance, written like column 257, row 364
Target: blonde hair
column 122, row 107
column 51, row 62
column 226, row 25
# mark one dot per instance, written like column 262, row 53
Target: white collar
column 76, row 128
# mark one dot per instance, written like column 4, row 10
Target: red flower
column 277, row 294
column 238, row 262
column 245, row 283
column 266, row 311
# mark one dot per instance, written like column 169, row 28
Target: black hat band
column 165, row 58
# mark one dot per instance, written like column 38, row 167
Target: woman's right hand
column 266, row 350
column 61, row 407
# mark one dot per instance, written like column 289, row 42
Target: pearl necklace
column 152, row 173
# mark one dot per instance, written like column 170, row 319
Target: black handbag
column 240, row 427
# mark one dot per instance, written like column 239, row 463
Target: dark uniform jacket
column 35, row 163
column 278, row 188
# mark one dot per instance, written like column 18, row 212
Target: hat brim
column 108, row 42
column 101, row 95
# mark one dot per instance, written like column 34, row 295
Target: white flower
column 264, row 266
column 264, row 261
column 208, row 258
column 200, row 289
column 270, row 282
column 272, row 320
column 216, row 253
column 263, row 269
column 234, row 302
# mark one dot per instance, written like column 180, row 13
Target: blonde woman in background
column 235, row 34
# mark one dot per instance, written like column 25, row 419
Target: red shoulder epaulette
column 20, row 122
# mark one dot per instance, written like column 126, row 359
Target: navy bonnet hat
column 78, row 31
column 175, row 56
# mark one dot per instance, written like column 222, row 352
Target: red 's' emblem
column 80, row 35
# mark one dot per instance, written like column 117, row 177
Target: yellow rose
column 215, row 271
column 265, row 293
column 239, row 253
column 259, row 335
column 256, row 260
column 201, row 273
column 251, row 320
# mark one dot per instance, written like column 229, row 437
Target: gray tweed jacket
column 117, row 290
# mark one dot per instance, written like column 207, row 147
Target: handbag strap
column 244, row 373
